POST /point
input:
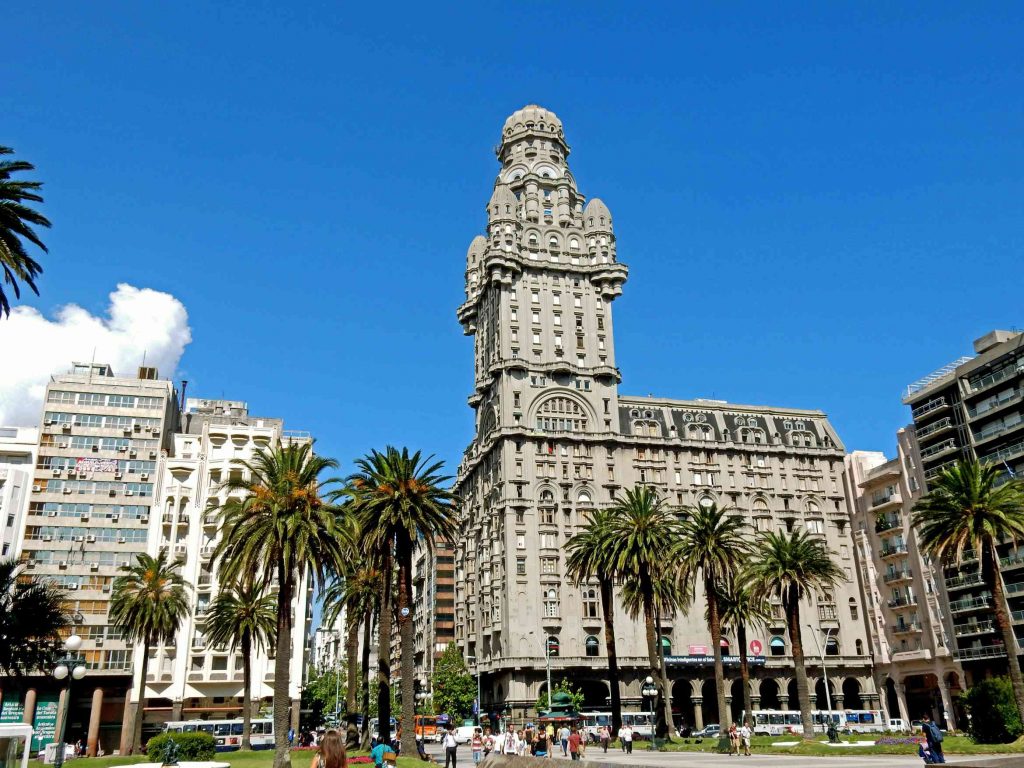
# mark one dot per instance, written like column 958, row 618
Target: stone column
column 901, row 700
column 30, row 706
column 755, row 703
column 127, row 722
column 296, row 705
column 837, row 700
column 176, row 706
column 698, row 712
column 783, row 701
column 947, row 706
column 726, row 717
column 93, row 741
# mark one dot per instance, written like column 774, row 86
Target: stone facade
column 554, row 439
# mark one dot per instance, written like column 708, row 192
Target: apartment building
column 434, row 596
column 101, row 439
column 974, row 408
column 18, row 446
column 905, row 600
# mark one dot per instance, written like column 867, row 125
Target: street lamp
column 547, row 665
column 421, row 696
column 69, row 667
column 648, row 684
column 824, row 669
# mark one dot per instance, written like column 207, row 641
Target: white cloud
column 32, row 347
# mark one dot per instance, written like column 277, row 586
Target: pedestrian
column 605, row 736
column 924, row 753
column 508, row 744
column 540, row 744
column 550, row 733
column 934, row 737
column 745, row 734
column 573, row 743
column 488, row 741
column 476, row 743
column 734, row 740
column 291, row 737
column 520, row 743
column 450, row 747
column 626, row 737
column 563, row 739
column 330, row 752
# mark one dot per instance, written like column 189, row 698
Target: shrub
column 191, row 746
column 994, row 718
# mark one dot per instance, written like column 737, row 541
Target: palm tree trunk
column 991, row 574
column 364, row 736
column 647, row 593
column 666, row 699
column 246, row 691
column 608, row 609
column 741, row 641
column 803, row 696
column 715, row 625
column 407, row 663
column 384, row 622
column 282, row 660
column 352, row 672
column 140, row 708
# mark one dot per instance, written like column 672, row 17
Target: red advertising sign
column 698, row 650
column 756, row 647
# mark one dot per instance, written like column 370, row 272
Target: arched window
column 553, row 243
column 805, row 439
column 698, row 432
column 553, row 646
column 860, row 647
column 547, row 497
column 583, row 497
column 812, row 506
column 551, row 603
column 561, row 414
column 832, row 646
column 666, row 646
column 646, row 428
column 590, row 603
column 592, row 645
column 532, row 240
column 574, row 244
column 777, row 646
column 752, row 435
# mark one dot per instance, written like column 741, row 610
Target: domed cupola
column 503, row 204
column 597, row 223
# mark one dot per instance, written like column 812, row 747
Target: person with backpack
column 934, row 738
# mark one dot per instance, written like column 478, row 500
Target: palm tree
column 32, row 614
column 356, row 592
column 588, row 557
column 281, row 529
column 966, row 509
column 642, row 535
column 16, row 220
column 740, row 608
column 243, row 616
column 398, row 502
column 712, row 546
column 787, row 567
column 147, row 603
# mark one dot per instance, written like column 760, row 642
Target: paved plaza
column 766, row 759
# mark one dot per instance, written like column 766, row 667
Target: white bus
column 778, row 722
column 642, row 723
column 228, row 733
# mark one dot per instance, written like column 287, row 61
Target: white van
column 898, row 724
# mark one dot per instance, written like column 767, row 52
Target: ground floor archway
column 770, row 694
column 851, row 694
column 595, row 694
column 709, row 694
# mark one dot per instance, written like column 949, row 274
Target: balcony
column 888, row 522
column 984, row 652
column 973, row 628
column 892, row 577
column 964, row 582
column 902, row 601
column 905, row 628
column 931, row 474
column 933, row 429
column 997, row 429
column 885, row 500
column 969, row 604
column 1015, row 589
column 931, row 406
column 1011, row 451
column 1017, row 617
column 892, row 550
column 939, row 449
column 993, row 404
column 1012, row 561
column 981, row 384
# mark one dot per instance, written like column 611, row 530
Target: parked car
column 708, row 731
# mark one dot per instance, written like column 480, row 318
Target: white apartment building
column 18, row 446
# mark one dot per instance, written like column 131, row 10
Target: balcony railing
column 891, row 550
column 902, row 601
column 888, row 522
column 969, row 604
column 990, row 405
column 925, row 408
column 1011, row 451
column 883, row 499
column 934, row 472
column 973, row 628
column 1017, row 617
column 999, row 428
column 984, row 382
column 962, row 582
column 985, row 652
column 939, row 448
column 904, row 574
column 906, row 628
column 1014, row 589
column 931, row 429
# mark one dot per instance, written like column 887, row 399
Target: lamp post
column 421, row 696
column 824, row 670
column 648, row 682
column 69, row 667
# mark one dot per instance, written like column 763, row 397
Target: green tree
column 711, row 547
column 281, row 527
column 322, row 694
column 243, row 616
column 994, row 718
column 454, row 689
column 643, row 533
column 741, row 608
column 788, row 567
column 32, row 614
column 590, row 557
column 16, row 224
column 398, row 502
column 565, row 687
column 147, row 603
column 966, row 509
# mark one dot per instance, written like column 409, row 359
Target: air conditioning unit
column 113, row 492
column 99, row 640
column 47, row 422
column 144, row 518
column 152, row 454
column 47, row 537
column 62, row 445
column 129, row 493
column 65, row 426
column 72, row 586
column 79, row 538
column 138, row 427
column 62, row 564
column 115, row 517
column 72, row 472
column 122, row 448
column 90, row 538
column 132, row 452
column 127, row 430
column 36, row 488
column 56, row 471
column 52, row 513
column 122, row 540
column 124, row 563
column 95, row 448
column 117, row 475
column 30, row 563
column 67, row 490
column 85, row 517
column 144, row 476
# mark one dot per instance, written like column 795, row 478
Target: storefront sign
column 13, row 709
column 698, row 650
column 701, row 660
column 756, row 647
column 45, row 724
column 96, row 465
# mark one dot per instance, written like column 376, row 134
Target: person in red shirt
column 574, row 743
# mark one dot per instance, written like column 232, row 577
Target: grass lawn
column 951, row 745
column 263, row 758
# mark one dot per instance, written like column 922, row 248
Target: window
column 777, row 646
column 577, row 300
column 520, row 566
column 583, row 497
column 553, row 646
column 815, row 526
column 853, row 609
column 666, row 646
column 574, row 244
column 860, row 647
column 590, row 610
column 535, row 297
column 561, row 414
column 556, row 299
column 832, row 646
column 549, row 541
column 557, row 318
column 551, row 605
column 549, row 565
column 536, row 339
column 592, row 646
column 521, row 541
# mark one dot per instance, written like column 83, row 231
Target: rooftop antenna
column 92, row 363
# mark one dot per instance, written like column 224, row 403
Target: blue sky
column 818, row 205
